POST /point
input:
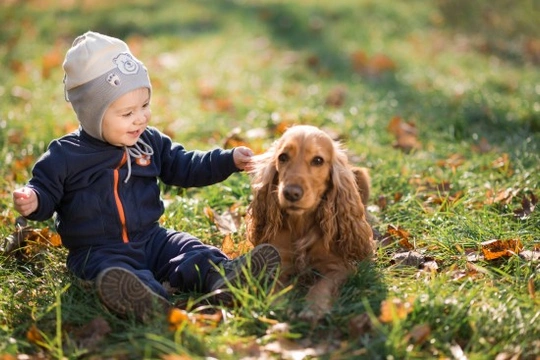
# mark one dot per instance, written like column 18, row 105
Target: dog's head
column 303, row 159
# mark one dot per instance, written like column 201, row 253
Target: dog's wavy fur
column 309, row 202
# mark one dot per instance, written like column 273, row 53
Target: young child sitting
column 102, row 183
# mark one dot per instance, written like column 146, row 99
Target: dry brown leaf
column 206, row 90
column 360, row 325
column 502, row 163
column 530, row 255
column 495, row 249
column 382, row 202
column 234, row 140
column 527, row 207
column 336, row 97
column 225, row 222
column 34, row 335
column 401, row 235
column 405, row 133
column 179, row 318
column 408, row 258
column 51, row 60
column 91, row 334
column 530, row 287
column 395, row 309
column 228, row 248
column 483, row 146
column 419, row 334
column 453, row 162
column 359, row 60
column 503, row 197
column 281, row 126
column 7, row 357
column 375, row 65
column 531, row 49
column 381, row 63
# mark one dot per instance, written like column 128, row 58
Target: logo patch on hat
column 113, row 79
column 126, row 64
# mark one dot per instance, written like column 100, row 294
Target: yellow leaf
column 177, row 318
column 394, row 309
column 495, row 249
column 227, row 246
column 34, row 335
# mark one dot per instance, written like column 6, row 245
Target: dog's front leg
column 322, row 294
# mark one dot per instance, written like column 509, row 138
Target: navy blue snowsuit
column 104, row 221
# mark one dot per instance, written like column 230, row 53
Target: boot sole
column 124, row 293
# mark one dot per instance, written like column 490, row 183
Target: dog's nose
column 293, row 192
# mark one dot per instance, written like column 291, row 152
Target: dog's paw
column 312, row 314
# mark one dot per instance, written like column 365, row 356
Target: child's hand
column 25, row 201
column 242, row 156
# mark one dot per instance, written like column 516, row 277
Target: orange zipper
column 119, row 205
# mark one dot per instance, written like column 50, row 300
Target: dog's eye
column 283, row 158
column 317, row 161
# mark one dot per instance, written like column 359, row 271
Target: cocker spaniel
column 309, row 203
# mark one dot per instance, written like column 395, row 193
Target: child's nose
column 140, row 118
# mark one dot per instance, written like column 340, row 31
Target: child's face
column 127, row 117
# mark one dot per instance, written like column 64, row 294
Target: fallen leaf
column 482, row 147
column 495, row 249
column 405, row 133
column 234, row 139
column 408, row 258
column 51, row 60
column 527, row 207
column 27, row 241
column 430, row 266
column 394, row 309
column 225, row 222
column 400, row 235
column 531, row 49
column 228, row 248
column 453, row 162
column 359, row 60
column 379, row 64
column 336, row 97
column 530, row 287
column 419, row 334
column 530, row 255
column 179, row 318
column 91, row 334
column 502, row 163
column 34, row 335
column 360, row 325
column 503, row 197
column 382, row 202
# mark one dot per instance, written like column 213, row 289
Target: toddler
column 102, row 183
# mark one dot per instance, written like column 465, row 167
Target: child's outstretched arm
column 25, row 201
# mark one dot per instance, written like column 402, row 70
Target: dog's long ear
column 263, row 213
column 342, row 214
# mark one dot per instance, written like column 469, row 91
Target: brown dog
column 309, row 203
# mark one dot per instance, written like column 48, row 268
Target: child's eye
column 128, row 114
column 146, row 105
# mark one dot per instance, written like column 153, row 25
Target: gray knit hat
column 98, row 70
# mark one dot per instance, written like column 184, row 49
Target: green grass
column 462, row 74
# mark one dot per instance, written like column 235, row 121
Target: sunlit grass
column 245, row 65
